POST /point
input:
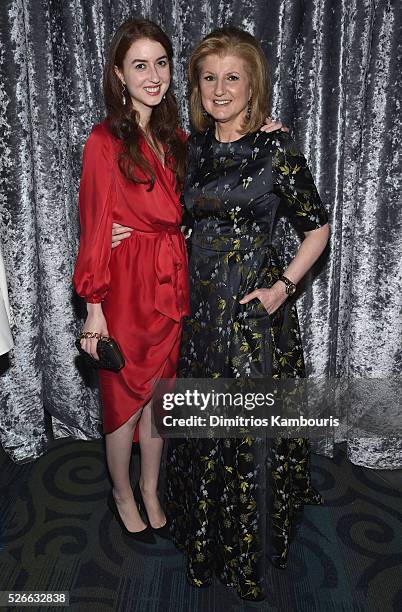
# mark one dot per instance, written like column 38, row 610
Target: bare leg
column 118, row 455
column 151, row 451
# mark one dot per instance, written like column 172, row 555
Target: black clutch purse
column 110, row 357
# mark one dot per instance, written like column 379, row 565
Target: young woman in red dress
column 133, row 169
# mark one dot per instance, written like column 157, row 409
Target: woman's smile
column 153, row 90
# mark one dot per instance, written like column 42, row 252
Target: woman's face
column 225, row 87
column 146, row 74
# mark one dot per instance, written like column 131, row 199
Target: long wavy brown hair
column 123, row 119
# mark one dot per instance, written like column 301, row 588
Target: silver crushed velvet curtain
column 336, row 67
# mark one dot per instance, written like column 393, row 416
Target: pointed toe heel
column 162, row 532
column 145, row 536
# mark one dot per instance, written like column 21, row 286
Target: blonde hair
column 233, row 41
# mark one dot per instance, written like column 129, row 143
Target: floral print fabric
column 232, row 503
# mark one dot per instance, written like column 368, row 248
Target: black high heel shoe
column 145, row 536
column 162, row 532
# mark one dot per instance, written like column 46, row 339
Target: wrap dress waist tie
column 171, row 269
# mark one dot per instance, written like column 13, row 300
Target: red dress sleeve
column 91, row 275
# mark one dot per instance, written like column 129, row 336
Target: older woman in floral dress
column 233, row 502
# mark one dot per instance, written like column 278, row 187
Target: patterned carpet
column 58, row 534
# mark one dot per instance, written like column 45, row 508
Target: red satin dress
column 143, row 283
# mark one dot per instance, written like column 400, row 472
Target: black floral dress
column 232, row 503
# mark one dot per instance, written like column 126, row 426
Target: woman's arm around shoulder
column 182, row 134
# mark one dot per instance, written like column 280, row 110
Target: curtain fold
column 336, row 68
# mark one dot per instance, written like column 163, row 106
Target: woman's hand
column 309, row 251
column 271, row 125
column 95, row 322
column 119, row 233
column 270, row 298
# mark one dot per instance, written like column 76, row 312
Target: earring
column 123, row 95
column 164, row 97
column 204, row 113
column 248, row 112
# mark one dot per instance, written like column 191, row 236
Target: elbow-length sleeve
column 294, row 184
column 91, row 275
